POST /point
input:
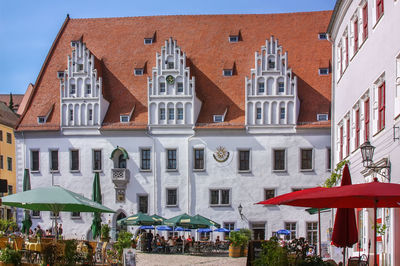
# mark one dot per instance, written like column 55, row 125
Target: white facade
column 366, row 56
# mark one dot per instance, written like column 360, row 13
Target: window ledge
column 35, row 171
column 54, row 171
column 76, row 217
column 97, row 171
column 306, row 170
column 220, row 205
column 244, row 171
column 145, row 170
column 35, row 217
column 279, row 171
column 171, row 170
column 199, row 170
column 74, row 171
column 171, row 206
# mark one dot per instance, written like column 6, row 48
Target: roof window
column 148, row 40
column 322, row 117
column 218, row 118
column 228, row 72
column 124, row 118
column 323, row 71
column 139, row 71
column 322, row 36
column 41, row 119
column 60, row 74
column 234, row 38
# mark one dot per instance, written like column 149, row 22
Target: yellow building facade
column 8, row 119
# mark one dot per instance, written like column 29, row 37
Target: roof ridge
column 200, row 15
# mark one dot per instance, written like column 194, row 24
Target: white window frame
column 138, row 71
column 41, row 119
column 166, row 197
column 101, row 161
column 312, row 159
column 297, row 227
column 329, row 157
column 322, row 36
column 36, row 216
column 233, row 38
column 270, row 189
column 194, row 159
column 227, row 72
column 374, row 106
column 148, row 41
column 178, row 87
column 273, row 160
column 178, row 115
column 321, row 116
column 124, row 118
column 70, row 160
column 141, row 158
column 51, row 161
column 216, row 118
column 313, row 231
column 148, row 201
column 321, row 71
column 219, row 204
column 31, row 160
column 177, row 159
column 238, row 160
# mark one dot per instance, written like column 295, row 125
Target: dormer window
column 139, row 71
column 218, row 118
column 323, row 71
column 124, row 118
column 322, row 117
column 72, row 89
column 234, row 38
column 60, row 74
column 41, row 119
column 228, row 72
column 180, row 86
column 170, row 65
column 148, row 40
column 80, row 67
column 322, row 36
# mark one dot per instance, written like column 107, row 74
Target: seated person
column 217, row 241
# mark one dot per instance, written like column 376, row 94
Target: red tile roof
column 7, row 117
column 118, row 43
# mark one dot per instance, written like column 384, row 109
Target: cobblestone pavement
column 145, row 259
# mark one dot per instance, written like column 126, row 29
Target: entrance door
column 258, row 230
column 120, row 228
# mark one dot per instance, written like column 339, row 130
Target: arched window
column 121, row 161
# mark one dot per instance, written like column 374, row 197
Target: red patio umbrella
column 366, row 195
column 345, row 229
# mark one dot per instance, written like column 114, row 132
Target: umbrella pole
column 319, row 231
column 344, row 256
column 375, row 258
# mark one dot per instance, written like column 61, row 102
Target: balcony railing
column 120, row 177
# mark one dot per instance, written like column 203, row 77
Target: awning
column 124, row 153
column 315, row 210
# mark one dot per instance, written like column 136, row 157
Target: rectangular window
column 282, row 113
column 180, row 86
column 9, row 163
column 90, row 114
column 261, row 87
column 35, row 214
column 35, row 161
column 228, row 72
column 348, row 137
column 96, row 160
column 381, row 107
column 258, row 113
column 145, row 159
column 53, row 160
column 162, row 114
column 355, row 35
column 269, row 193
column 170, row 113
column 341, row 144
column 279, row 160
column 292, row 228
column 306, row 159
column 41, row 119
column 366, row 119
column 1, row 135
column 281, row 87
column 312, row 232
column 143, row 204
column 88, row 89
column 379, row 9
column 80, row 67
column 271, row 64
column 230, row 227
column 219, row 197
column 323, row 71
column 244, row 160
column 171, row 159
column 124, row 118
column 138, row 71
column 357, row 144
column 233, row 38
column 199, row 159
column 148, row 40
column 365, row 21
column 322, row 36
column 72, row 89
column 162, row 86
column 179, row 114
column 172, row 197
column 170, row 65
column 218, row 118
column 75, row 215
column 341, row 59
column 347, row 50
column 9, row 138
column 328, row 156
column 322, row 117
column 1, row 162
column 71, row 115
column 74, row 160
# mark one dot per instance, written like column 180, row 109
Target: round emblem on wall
column 221, row 154
column 170, row 79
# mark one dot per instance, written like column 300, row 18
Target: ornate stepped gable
column 82, row 102
column 271, row 92
column 171, row 91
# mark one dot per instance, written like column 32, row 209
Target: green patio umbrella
column 96, row 197
column 26, row 185
column 185, row 221
column 139, row 219
column 55, row 199
column 158, row 218
column 207, row 221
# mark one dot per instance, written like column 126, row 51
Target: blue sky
column 28, row 28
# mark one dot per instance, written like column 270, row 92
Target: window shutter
column 365, row 22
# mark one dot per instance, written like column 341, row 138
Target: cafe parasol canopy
column 140, row 219
column 207, row 221
column 186, row 221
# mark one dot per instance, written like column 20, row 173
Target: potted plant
column 123, row 241
column 238, row 244
column 10, row 256
column 105, row 233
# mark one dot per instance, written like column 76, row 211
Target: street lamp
column 367, row 153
